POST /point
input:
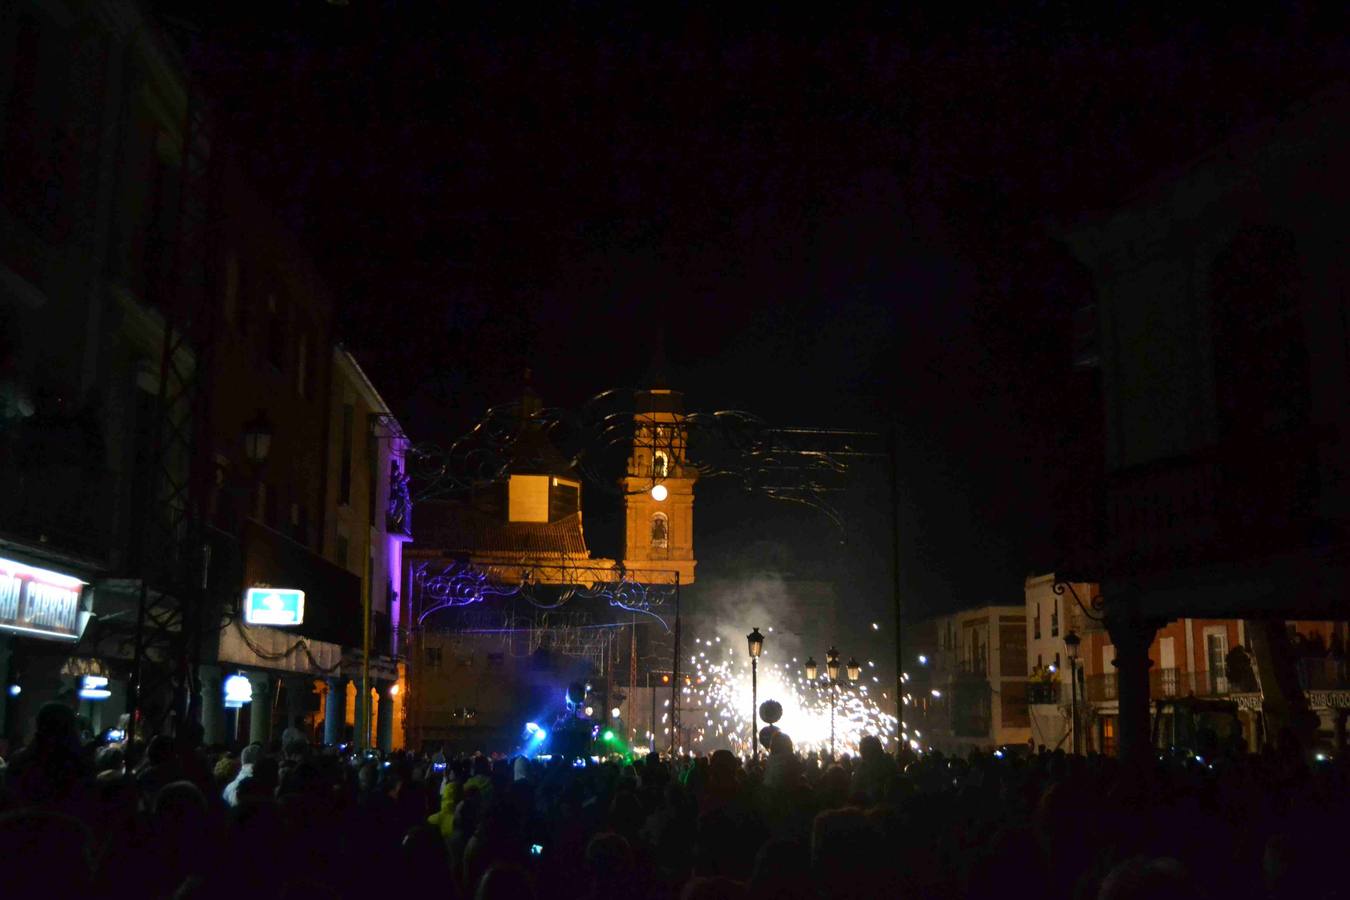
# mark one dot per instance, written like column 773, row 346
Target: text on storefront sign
column 38, row 601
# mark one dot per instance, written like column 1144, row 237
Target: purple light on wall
column 394, row 561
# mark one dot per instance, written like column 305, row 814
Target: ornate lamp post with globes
column 852, row 670
column 755, row 640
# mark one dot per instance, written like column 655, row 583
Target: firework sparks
column 719, row 697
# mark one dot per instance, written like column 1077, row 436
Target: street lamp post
column 755, row 640
column 1071, row 642
column 832, row 672
column 852, row 670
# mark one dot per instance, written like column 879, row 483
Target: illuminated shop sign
column 94, row 687
column 238, row 691
column 274, row 606
column 40, row 602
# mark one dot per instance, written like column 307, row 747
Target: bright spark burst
column 719, row 701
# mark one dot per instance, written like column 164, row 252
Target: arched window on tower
column 660, row 530
column 660, row 464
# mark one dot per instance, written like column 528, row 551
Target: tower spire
column 658, row 368
column 530, row 403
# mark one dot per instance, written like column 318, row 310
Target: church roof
column 459, row 528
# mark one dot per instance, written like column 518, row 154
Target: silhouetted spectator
column 1141, row 878
column 716, row 888
column 782, row 872
column 1241, row 676
column 49, row 771
column 503, row 882
column 248, row 759
column 49, row 854
column 875, row 771
column 609, row 865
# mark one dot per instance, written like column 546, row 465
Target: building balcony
column 1164, row 684
column 1317, row 673
column 1237, row 501
column 971, row 708
column 976, row 669
column 1100, row 688
column 61, row 504
column 1043, row 693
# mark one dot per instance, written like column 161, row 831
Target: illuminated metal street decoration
column 458, row 585
column 632, row 596
column 797, row 465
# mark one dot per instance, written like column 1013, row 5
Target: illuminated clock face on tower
column 659, row 493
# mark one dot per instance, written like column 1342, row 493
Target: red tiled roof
column 459, row 528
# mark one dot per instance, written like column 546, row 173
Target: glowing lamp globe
column 1071, row 642
column 659, row 493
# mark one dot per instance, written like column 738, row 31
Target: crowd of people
column 293, row 820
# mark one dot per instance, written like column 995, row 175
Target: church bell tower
column 659, row 492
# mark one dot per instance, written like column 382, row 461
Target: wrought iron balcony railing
column 1317, row 673
column 1100, row 688
column 1043, row 693
column 1165, row 684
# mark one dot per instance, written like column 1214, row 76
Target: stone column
column 260, row 710
column 6, row 704
column 361, row 716
column 213, row 704
column 1132, row 637
column 297, row 690
column 334, row 710
column 384, row 716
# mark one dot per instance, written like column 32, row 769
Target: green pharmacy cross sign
column 274, row 606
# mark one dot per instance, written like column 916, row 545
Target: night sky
column 834, row 219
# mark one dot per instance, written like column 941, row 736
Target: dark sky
column 834, row 218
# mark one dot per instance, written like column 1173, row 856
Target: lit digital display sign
column 274, row 606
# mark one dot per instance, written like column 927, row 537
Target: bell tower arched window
column 660, row 530
column 660, row 464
